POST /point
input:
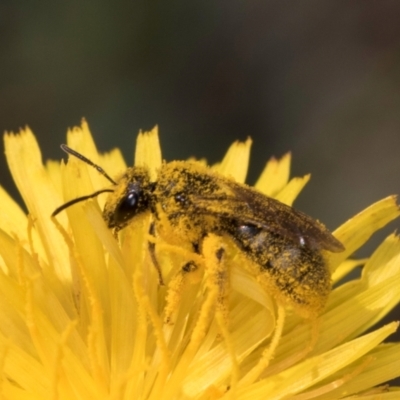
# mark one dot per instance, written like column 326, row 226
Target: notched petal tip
column 80, row 139
column 148, row 151
column 275, row 175
column 236, row 161
column 290, row 192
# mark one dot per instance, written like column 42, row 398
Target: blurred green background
column 318, row 78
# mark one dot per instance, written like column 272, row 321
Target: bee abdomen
column 296, row 274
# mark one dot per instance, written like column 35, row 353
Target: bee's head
column 131, row 197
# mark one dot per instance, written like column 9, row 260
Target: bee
column 190, row 200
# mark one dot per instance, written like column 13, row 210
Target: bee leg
column 327, row 388
column 152, row 251
column 218, row 284
column 300, row 355
column 115, row 233
column 221, row 280
column 268, row 353
column 188, row 274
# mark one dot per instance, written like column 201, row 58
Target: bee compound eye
column 127, row 207
column 129, row 202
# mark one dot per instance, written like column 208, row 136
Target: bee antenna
column 78, row 200
column 68, row 150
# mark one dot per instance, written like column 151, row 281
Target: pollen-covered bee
column 287, row 246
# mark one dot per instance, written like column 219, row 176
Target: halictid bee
column 192, row 201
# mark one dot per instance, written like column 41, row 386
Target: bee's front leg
column 217, row 273
column 188, row 275
column 218, row 282
column 152, row 251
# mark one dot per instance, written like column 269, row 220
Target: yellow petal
column 376, row 368
column 313, row 370
column 113, row 163
column 53, row 168
column 289, row 193
column 275, row 176
column 345, row 268
column 80, row 139
column 148, row 151
column 12, row 219
column 357, row 230
column 40, row 196
column 236, row 161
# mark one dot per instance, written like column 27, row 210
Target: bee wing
column 248, row 206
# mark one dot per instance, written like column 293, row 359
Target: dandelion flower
column 83, row 315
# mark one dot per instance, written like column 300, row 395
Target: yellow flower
column 83, row 315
